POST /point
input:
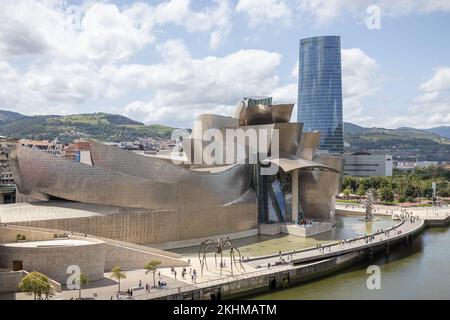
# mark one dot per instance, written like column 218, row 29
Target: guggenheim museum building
column 226, row 176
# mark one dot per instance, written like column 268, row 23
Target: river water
column 420, row 270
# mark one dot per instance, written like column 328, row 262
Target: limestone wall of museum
column 159, row 226
column 53, row 261
column 9, row 280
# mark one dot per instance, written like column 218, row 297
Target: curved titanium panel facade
column 185, row 203
column 317, row 189
column 281, row 113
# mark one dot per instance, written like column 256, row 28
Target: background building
column 368, row 165
column 7, row 188
column 320, row 90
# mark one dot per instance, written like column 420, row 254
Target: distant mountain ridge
column 99, row 126
column 407, row 144
column 10, row 115
column 443, row 131
column 403, row 143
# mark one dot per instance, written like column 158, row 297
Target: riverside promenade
column 433, row 216
column 402, row 230
column 288, row 268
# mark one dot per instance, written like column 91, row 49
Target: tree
column 35, row 283
column 152, row 266
column 84, row 280
column 411, row 191
column 361, row 190
column 386, row 194
column 118, row 274
column 346, row 192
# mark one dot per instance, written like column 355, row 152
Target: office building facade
column 320, row 90
column 368, row 165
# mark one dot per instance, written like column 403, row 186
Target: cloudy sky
column 168, row 61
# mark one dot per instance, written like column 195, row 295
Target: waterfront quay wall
column 437, row 221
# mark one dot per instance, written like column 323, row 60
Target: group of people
column 192, row 273
column 322, row 249
column 289, row 256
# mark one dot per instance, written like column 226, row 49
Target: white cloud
column 265, row 11
column 439, row 82
column 96, row 31
column 64, row 83
column 207, row 85
column 100, row 31
column 360, row 76
column 36, row 92
column 326, row 11
column 216, row 19
column 432, row 106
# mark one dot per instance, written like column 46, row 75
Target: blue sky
column 169, row 61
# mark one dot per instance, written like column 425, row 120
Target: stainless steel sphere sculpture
column 368, row 203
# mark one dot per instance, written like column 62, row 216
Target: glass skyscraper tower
column 320, row 90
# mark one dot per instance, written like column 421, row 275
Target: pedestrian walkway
column 403, row 229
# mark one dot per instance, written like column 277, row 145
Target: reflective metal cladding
column 320, row 90
column 199, row 199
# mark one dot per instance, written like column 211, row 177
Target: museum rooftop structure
column 228, row 176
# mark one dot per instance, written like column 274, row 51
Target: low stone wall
column 315, row 228
column 53, row 261
column 269, row 229
column 9, row 280
column 295, row 230
column 8, row 234
column 131, row 258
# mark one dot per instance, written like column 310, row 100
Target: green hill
column 403, row 143
column 443, row 131
column 9, row 115
column 99, row 126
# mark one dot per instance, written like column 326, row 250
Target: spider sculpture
column 219, row 246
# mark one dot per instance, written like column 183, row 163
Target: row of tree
column 404, row 186
column 38, row 284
